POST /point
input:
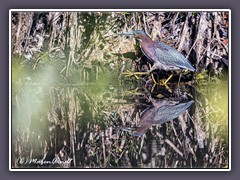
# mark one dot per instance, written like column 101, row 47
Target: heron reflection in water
column 160, row 112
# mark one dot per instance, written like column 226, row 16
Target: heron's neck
column 145, row 39
column 143, row 128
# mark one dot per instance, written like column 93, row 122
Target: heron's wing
column 171, row 57
column 170, row 112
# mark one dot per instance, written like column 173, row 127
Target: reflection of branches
column 171, row 144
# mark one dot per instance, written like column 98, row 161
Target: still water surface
column 116, row 122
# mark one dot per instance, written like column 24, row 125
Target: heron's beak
column 122, row 34
column 137, row 135
column 128, row 129
column 126, row 34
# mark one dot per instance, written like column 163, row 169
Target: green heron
column 159, row 54
column 160, row 112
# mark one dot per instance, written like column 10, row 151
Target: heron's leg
column 154, row 85
column 168, row 78
column 168, row 88
column 133, row 92
column 152, row 89
column 179, row 82
column 155, row 82
column 185, row 71
column 152, row 69
column 145, row 86
column 180, row 78
column 129, row 73
column 135, row 74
